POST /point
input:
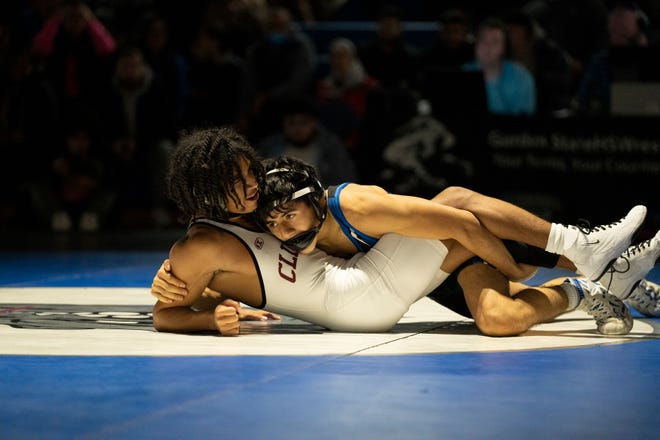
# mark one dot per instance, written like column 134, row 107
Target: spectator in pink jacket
column 75, row 49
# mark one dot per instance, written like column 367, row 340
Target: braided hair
column 205, row 168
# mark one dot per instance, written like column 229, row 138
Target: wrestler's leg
column 503, row 308
column 505, row 220
column 590, row 251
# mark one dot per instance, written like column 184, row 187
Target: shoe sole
column 615, row 329
column 632, row 235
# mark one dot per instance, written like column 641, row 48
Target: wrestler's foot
column 598, row 247
column 631, row 267
column 646, row 298
column 611, row 314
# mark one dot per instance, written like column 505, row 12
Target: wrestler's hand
column 250, row 314
column 226, row 320
column 210, row 293
column 257, row 315
column 165, row 287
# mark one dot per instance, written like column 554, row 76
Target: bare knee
column 500, row 315
column 455, row 196
column 487, row 295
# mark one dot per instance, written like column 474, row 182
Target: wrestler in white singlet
column 368, row 293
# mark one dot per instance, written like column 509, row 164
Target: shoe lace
column 638, row 248
column 625, row 257
column 601, row 307
column 585, row 227
column 595, row 297
column 600, row 304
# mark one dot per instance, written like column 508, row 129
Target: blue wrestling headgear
column 284, row 185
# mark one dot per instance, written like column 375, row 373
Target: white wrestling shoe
column 646, row 298
column 611, row 314
column 631, row 267
column 600, row 246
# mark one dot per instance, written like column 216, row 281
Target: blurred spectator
column 279, row 65
column 29, row 115
column 236, row 61
column 310, row 11
column 626, row 23
column 303, row 137
column 544, row 59
column 139, row 126
column 75, row 47
column 387, row 57
column 216, row 81
column 168, row 65
column 243, row 21
column 510, row 88
column 454, row 45
column 72, row 193
column 579, row 27
column 342, row 95
column 27, row 17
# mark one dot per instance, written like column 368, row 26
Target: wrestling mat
column 117, row 321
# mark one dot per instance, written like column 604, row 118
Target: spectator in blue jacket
column 510, row 88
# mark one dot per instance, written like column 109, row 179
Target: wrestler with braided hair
column 225, row 250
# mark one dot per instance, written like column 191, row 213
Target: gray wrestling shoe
column 611, row 314
column 646, row 298
column 600, row 246
column 622, row 277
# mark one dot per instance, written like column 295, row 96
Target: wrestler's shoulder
column 356, row 198
column 202, row 240
column 356, row 192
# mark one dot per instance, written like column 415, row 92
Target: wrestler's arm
column 193, row 261
column 376, row 212
column 167, row 288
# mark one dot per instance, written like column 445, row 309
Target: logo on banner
column 76, row 317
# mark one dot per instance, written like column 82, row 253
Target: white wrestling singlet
column 368, row 293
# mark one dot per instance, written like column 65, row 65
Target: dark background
column 561, row 168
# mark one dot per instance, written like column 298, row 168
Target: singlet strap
column 360, row 240
column 206, row 221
